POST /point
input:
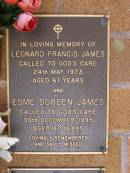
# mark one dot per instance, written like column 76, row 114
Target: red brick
column 118, row 10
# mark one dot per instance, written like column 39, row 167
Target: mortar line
column 124, row 155
column 120, row 35
column 124, row 135
column 123, row 85
column 58, row 6
column 120, row 133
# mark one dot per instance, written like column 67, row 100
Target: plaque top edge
column 72, row 15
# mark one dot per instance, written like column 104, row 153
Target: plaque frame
column 107, row 115
column 57, row 169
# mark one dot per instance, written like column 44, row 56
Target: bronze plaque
column 84, row 170
column 58, row 85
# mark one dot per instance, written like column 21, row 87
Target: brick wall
column 117, row 159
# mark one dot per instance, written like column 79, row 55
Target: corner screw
column 103, row 149
column 13, row 148
column 104, row 20
column 101, row 171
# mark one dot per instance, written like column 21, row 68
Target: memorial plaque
column 58, row 85
column 90, row 170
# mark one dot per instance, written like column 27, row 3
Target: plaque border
column 56, row 169
column 107, row 114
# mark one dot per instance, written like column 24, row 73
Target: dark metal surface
column 94, row 86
